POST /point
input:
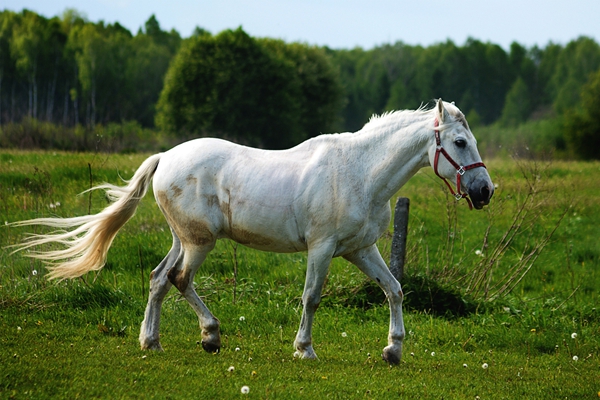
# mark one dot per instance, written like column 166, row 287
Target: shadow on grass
column 83, row 297
column 420, row 293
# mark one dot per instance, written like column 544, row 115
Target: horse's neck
column 395, row 152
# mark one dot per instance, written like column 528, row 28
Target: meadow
column 500, row 303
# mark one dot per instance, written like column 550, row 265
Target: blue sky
column 350, row 23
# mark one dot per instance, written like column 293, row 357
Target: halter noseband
column 460, row 170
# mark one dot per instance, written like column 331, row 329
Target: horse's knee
column 180, row 278
column 395, row 296
column 311, row 302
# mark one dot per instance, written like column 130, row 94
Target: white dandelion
column 573, row 335
column 242, row 318
column 575, row 358
column 231, row 369
column 245, row 390
column 485, row 366
column 344, row 334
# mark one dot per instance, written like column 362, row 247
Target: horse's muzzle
column 481, row 192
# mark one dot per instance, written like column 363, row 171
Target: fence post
column 399, row 237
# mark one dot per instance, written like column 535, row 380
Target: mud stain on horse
column 179, row 278
column 211, row 200
column 177, row 191
column 245, row 237
column 191, row 180
column 188, row 229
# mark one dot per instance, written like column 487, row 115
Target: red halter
column 460, row 170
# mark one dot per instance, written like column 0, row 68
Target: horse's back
column 245, row 194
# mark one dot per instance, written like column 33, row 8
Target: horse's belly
column 262, row 242
column 265, row 228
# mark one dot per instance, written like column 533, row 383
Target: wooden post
column 399, row 237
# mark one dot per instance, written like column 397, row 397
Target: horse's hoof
column 151, row 345
column 390, row 356
column 306, row 354
column 211, row 347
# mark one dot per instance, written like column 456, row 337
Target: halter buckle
column 461, row 171
column 458, row 196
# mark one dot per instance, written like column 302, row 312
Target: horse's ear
column 442, row 114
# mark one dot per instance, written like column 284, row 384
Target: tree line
column 69, row 72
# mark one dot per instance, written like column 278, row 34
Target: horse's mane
column 394, row 118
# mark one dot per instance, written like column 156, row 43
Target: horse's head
column 454, row 156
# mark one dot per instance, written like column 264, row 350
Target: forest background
column 72, row 84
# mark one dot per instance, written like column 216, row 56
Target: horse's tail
column 88, row 243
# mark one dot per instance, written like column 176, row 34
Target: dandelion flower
column 245, row 390
column 34, row 273
column 485, row 366
column 231, row 369
column 237, row 349
column 573, row 335
column 575, row 358
column 344, row 334
column 433, row 354
column 478, row 253
column 18, row 328
column 465, row 365
column 242, row 318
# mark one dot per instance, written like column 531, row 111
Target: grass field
column 538, row 338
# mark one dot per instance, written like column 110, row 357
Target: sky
column 345, row 24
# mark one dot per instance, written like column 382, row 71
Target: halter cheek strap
column 460, row 170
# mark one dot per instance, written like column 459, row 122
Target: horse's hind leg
column 182, row 276
column 159, row 287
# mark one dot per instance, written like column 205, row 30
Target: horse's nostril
column 485, row 192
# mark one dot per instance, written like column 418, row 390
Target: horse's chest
column 362, row 228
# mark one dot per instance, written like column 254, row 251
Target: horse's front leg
column 319, row 259
column 369, row 261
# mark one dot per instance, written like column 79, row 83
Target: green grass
column 78, row 339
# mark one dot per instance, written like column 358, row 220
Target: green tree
column 150, row 54
column 320, row 91
column 233, row 86
column 27, row 48
column 517, row 106
column 8, row 72
column 582, row 123
column 574, row 65
column 101, row 53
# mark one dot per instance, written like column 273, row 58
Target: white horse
column 329, row 196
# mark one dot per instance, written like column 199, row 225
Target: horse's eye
column 461, row 143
